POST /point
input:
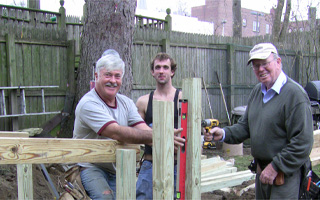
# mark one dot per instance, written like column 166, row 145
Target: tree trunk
column 237, row 22
column 108, row 24
column 285, row 21
column 277, row 21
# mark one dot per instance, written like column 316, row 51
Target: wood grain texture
column 163, row 150
column 53, row 150
column 24, row 171
column 126, row 174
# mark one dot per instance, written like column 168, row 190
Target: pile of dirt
column 41, row 189
column 9, row 190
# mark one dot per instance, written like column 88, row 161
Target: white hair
column 110, row 62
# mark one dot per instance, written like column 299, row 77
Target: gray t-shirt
column 93, row 115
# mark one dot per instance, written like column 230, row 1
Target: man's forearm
column 128, row 134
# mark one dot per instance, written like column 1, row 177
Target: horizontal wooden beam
column 53, row 150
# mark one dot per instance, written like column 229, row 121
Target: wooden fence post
column 297, row 63
column 62, row 18
column 231, row 60
column 166, row 46
column 12, row 79
column 168, row 25
column 126, row 173
column 163, row 150
column 71, row 65
column 191, row 90
column 24, row 171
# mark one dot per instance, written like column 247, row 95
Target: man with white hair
column 102, row 113
column 278, row 121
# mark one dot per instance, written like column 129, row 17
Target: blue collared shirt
column 276, row 88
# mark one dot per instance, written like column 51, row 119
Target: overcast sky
column 75, row 7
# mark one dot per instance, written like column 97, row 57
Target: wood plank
column 13, row 134
column 54, row 150
column 191, row 90
column 12, row 79
column 213, row 166
column 316, row 138
column 233, row 179
column 163, row 150
column 126, row 174
column 219, row 171
column 315, row 156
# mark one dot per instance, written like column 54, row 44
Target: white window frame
column 244, row 22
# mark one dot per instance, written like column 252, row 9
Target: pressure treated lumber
column 24, row 171
column 163, row 150
column 315, row 152
column 126, row 174
column 54, row 150
column 223, row 181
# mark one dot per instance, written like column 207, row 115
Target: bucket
column 232, row 149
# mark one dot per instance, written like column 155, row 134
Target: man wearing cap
column 278, row 121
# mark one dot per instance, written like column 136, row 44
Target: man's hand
column 268, row 175
column 216, row 134
column 178, row 141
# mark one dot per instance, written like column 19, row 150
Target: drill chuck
column 209, row 123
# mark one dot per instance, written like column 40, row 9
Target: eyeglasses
column 264, row 65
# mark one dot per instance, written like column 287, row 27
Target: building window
column 256, row 26
column 244, row 22
column 267, row 28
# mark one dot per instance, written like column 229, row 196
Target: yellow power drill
column 208, row 124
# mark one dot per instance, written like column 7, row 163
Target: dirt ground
column 8, row 184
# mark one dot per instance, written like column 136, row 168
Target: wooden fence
column 26, row 151
column 47, row 53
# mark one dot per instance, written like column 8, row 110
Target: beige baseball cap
column 261, row 51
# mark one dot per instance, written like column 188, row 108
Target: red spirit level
column 182, row 154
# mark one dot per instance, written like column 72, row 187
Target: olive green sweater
column 280, row 130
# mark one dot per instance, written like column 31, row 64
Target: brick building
column 220, row 13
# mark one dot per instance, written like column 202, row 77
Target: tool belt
column 310, row 183
column 73, row 188
column 258, row 166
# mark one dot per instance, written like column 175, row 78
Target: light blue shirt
column 268, row 95
column 276, row 88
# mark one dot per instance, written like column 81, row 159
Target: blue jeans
column 98, row 183
column 144, row 182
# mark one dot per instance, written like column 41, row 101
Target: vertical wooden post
column 24, row 171
column 71, row 65
column 163, row 150
column 191, row 90
column 298, row 62
column 168, row 26
column 35, row 4
column 166, row 46
column 12, row 79
column 126, row 173
column 231, row 60
column 62, row 18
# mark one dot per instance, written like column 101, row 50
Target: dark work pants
column 289, row 190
